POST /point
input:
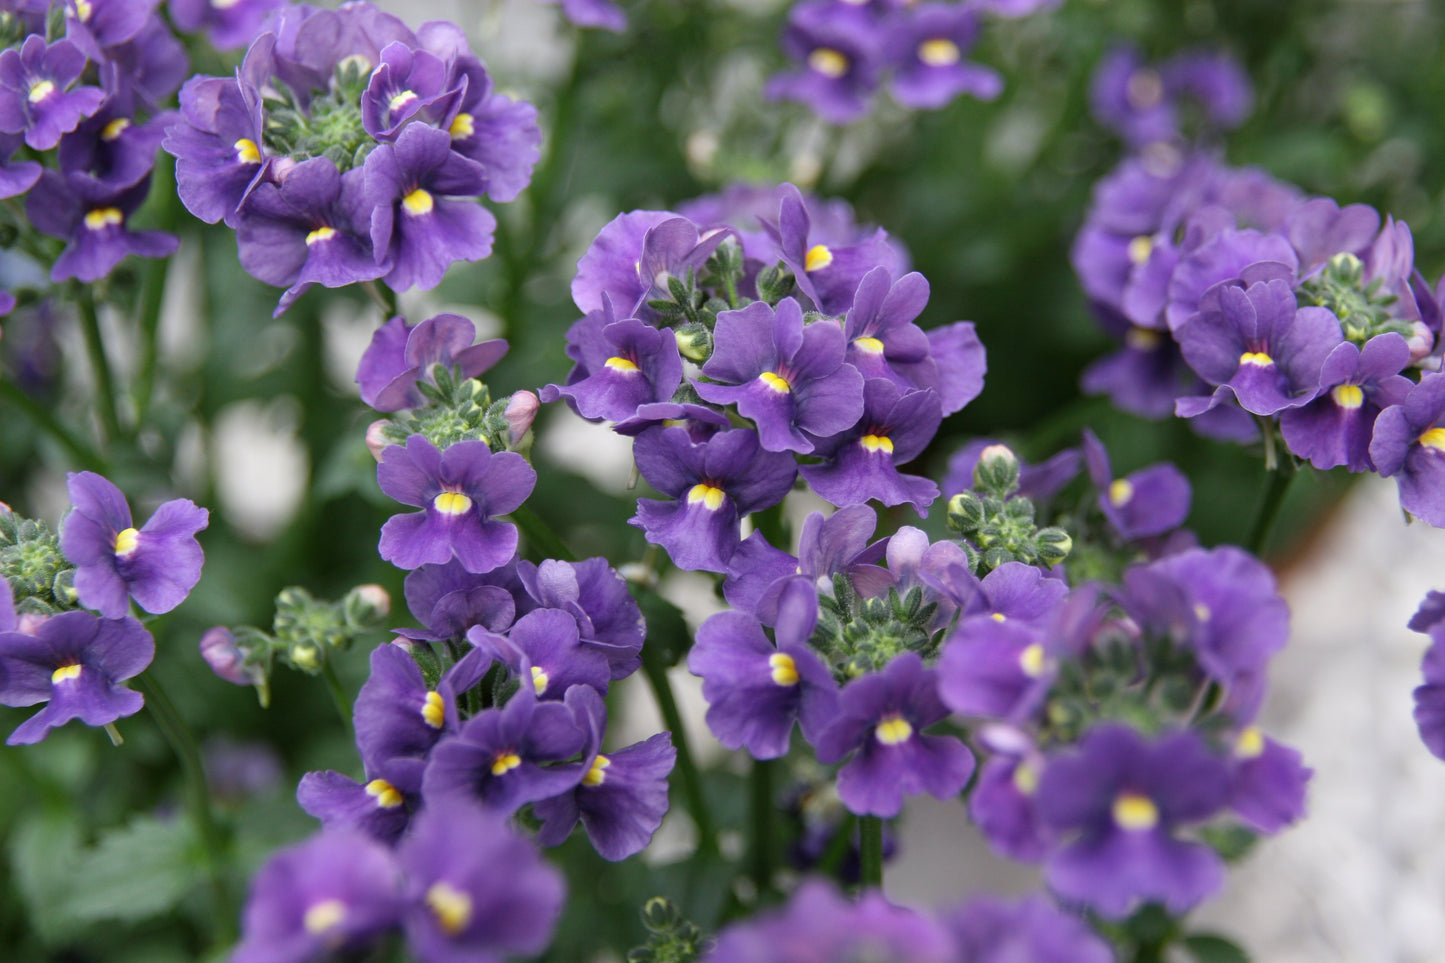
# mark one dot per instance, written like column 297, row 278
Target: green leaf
column 134, row 872
column 1208, row 948
column 44, row 855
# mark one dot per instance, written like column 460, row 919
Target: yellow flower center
column 64, row 673
column 452, row 503
column 401, row 100
column 114, row 129
column 100, row 217
column 1434, row 438
column 1348, row 396
column 998, row 617
column 539, row 680
column 324, row 916
column 775, row 381
column 418, row 202
column 893, row 730
column 869, row 345
column 83, row 10
column 1142, row 339
column 828, row 62
column 784, row 669
column 1256, row 358
column 247, row 152
column 1135, row 812
column 386, row 795
column 1140, row 248
column 505, row 763
column 817, row 258
column 1121, row 490
column 322, row 233
column 877, row 443
column 939, row 52
column 622, row 365
column 433, row 711
column 224, row 4
column 1026, row 779
column 1249, row 744
column 462, row 127
column 40, row 90
column 125, row 541
column 1031, row 660
column 452, row 907
column 597, row 774
column 1201, row 612
column 710, row 497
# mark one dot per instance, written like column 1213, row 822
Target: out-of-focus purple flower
column 713, row 485
column 1148, row 502
column 1409, row 446
column 790, row 379
column 157, row 564
column 219, row 651
column 475, row 891
column 229, row 26
column 990, row 930
column 1430, row 694
column 460, row 491
column 111, row 146
column 880, row 722
column 1039, row 482
column 400, row 355
column 90, row 217
column 19, row 176
column 1001, row 804
column 336, row 892
column 93, row 25
column 996, row 670
column 1142, row 102
column 837, row 48
column 36, row 97
column 602, row 14
column 1122, row 799
column 74, row 662
column 925, row 47
column 1269, row 782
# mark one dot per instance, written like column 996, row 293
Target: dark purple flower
column 544, row 651
column 621, row 800
column 400, row 355
column 90, row 217
column 379, row 807
column 880, row 722
column 1336, row 428
column 1211, row 254
column 93, row 25
column 157, row 564
column 112, row 147
column 1409, row 446
column 218, row 149
column 861, row 463
column 74, row 662
column 595, row 595
column 925, row 47
column 423, row 215
column 1039, row 482
column 448, row 600
column 405, row 82
column 1119, row 799
column 1430, row 695
column 460, row 491
column 1001, row 804
column 828, row 271
column 613, row 263
column 790, row 379
column 837, row 48
column 1320, row 229
column 336, row 892
column 475, row 891
column 36, row 98
column 990, row 930
column 602, row 14
column 399, row 718
column 621, row 366
column 19, row 176
column 1149, row 502
column 714, row 484
column 995, row 669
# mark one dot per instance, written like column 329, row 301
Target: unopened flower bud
column 521, row 412
column 997, row 471
column 307, row 658
column 376, row 440
column 368, row 603
column 219, row 648
column 694, row 341
column 965, row 512
column 1421, row 342
column 1054, row 545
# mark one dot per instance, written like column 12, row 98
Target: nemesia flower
column 112, row 145
column 157, row 564
column 544, row 650
column 1429, row 696
column 828, row 271
column 228, row 26
column 400, row 355
column 925, row 47
column 1001, row 805
column 90, row 217
column 621, row 366
column 1337, row 427
column 448, row 600
column 991, row 930
column 996, row 669
column 1148, row 502
column 602, row 14
column 97, row 24
column 1408, row 445
column 74, row 662
column 460, row 491
column 1269, row 781
column 608, row 619
column 36, row 97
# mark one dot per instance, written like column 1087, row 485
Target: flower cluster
column 1241, row 301
column 54, row 652
column 80, row 122
column 844, row 48
column 803, row 330
column 348, row 148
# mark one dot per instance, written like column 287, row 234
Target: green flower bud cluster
column 308, row 631
column 1363, row 311
column 31, row 561
column 695, row 300
column 775, row 283
column 999, row 525
column 670, row 937
column 328, row 125
column 458, row 409
column 858, row 636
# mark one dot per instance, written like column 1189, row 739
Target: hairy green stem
column 1276, row 486
column 198, row 800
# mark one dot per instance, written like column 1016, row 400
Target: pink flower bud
column 521, row 412
column 218, row 647
column 376, row 440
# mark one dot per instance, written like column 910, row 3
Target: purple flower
column 828, row 271
column 90, row 216
column 1269, row 782
column 1039, row 482
column 790, row 379
column 990, row 930
column 925, row 46
column 608, row 619
column 620, row 801
column 74, row 662
column 996, row 670
column 1409, row 446
column 836, row 44
column 404, row 83
column 612, row 266
column 380, row 807
column 111, row 147
column 228, row 26
column 423, row 216
column 544, row 650
column 1141, row 103
column 880, row 721
column 602, row 14
column 218, row 147
column 336, row 892
column 448, row 600
column 475, row 891
column 400, row 355
column 1430, row 695
column 1336, row 428
column 621, row 366
column 157, row 564
column 1001, row 804
column 1120, row 800
column 1211, row 254
column 861, row 463
column 1151, row 501
column 460, row 491
column 714, row 484
column 35, row 94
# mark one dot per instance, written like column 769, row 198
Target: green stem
column 198, row 800
column 45, row 419
column 99, row 363
column 384, row 297
column 338, row 693
column 540, row 534
column 870, row 862
column 764, row 837
column 1276, row 485
column 692, row 786
column 152, row 296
